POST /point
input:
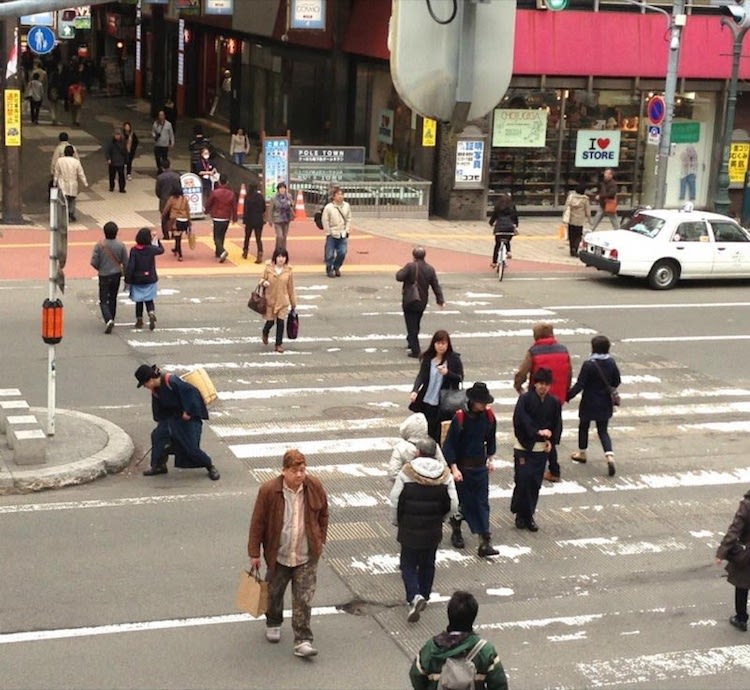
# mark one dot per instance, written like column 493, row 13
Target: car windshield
column 644, row 224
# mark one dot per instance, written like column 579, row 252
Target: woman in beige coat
column 280, row 295
column 68, row 173
column 576, row 214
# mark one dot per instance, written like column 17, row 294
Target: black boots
column 485, row 546
column 457, row 538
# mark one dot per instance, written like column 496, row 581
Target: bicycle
column 502, row 255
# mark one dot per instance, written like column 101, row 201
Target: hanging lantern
column 52, row 321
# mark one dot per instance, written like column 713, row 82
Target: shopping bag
column 257, row 301
column 252, row 593
column 610, row 206
column 292, row 325
column 192, row 240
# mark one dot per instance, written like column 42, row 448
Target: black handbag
column 257, row 301
column 292, row 325
column 451, row 400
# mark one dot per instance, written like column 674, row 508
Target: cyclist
column 504, row 220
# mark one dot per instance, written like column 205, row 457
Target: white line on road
column 648, row 305
column 671, row 339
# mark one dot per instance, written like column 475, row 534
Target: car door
column 732, row 256
column 692, row 247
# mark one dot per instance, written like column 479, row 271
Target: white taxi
column 666, row 245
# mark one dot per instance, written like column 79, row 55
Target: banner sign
column 308, row 14
column 685, row 133
column 275, row 164
column 385, row 126
column 597, row 148
column 219, row 7
column 192, row 188
column 469, row 163
column 332, row 155
column 519, row 128
column 429, row 132
column 738, row 157
column 12, row 117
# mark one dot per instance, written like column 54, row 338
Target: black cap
column 145, row 372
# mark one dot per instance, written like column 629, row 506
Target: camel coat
column 280, row 294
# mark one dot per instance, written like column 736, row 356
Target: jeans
column 687, row 184
column 279, row 330
column 474, row 498
column 413, row 319
column 528, row 473
column 304, row 579
column 335, row 252
column 249, row 230
column 220, row 232
column 601, row 430
column 282, row 230
column 600, row 214
column 109, row 286
column 239, row 158
column 119, row 171
column 417, row 571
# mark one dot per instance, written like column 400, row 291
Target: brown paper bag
column 252, row 594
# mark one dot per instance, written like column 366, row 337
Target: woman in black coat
column 734, row 550
column 598, row 374
column 440, row 368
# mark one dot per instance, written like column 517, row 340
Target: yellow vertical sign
column 738, row 157
column 429, row 131
column 12, row 105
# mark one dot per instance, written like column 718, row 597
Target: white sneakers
column 273, row 634
column 305, row 649
column 418, row 604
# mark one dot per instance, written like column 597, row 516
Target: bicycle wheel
column 501, row 262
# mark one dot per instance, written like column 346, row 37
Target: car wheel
column 664, row 275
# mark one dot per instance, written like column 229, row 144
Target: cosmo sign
column 598, row 148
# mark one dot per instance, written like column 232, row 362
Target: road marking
column 143, row 626
column 671, row 339
column 647, row 305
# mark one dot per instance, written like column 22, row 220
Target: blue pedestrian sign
column 41, row 40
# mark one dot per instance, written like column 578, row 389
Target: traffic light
column 554, row 5
column 738, row 12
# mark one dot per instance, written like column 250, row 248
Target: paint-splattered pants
column 303, row 579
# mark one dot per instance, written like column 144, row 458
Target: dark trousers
column 35, row 107
column 139, row 308
column 220, row 233
column 109, row 286
column 160, row 153
column 303, row 578
column 740, row 603
column 432, row 414
column 417, row 571
column 187, row 434
column 499, row 239
column 129, row 164
column 279, row 329
column 575, row 232
column 249, row 230
column 554, row 465
column 474, row 498
column 601, row 430
column 528, row 472
column 413, row 319
column 119, row 172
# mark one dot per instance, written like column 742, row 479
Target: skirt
column 143, row 293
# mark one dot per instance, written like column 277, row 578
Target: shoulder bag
column 451, row 400
column 411, row 291
column 112, row 256
column 614, row 394
column 257, row 301
column 610, row 206
column 292, row 325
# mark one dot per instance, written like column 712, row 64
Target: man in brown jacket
column 290, row 521
column 607, row 194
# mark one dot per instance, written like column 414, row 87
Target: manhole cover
column 347, row 412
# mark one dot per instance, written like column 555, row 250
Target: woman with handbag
column 734, row 550
column 278, row 282
column 598, row 376
column 177, row 214
column 576, row 214
column 440, row 369
column 141, row 275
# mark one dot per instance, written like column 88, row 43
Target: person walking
column 109, row 258
column 141, row 276
column 254, row 218
column 278, row 281
column 547, row 352
column 599, row 373
column 163, row 136
column 167, row 181
column 67, row 177
column 411, row 430
column 281, row 212
column 131, row 147
column 504, row 222
column 290, row 524
column 57, row 88
column 423, row 495
column 63, row 143
column 576, row 214
column 440, row 369
column 469, row 450
column 735, row 550
column 239, row 146
column 34, row 94
column 537, row 425
column 607, row 200
column 178, row 410
column 458, row 641
column 222, row 207
column 196, row 146
column 337, row 222
column 208, row 173
column 176, row 213
column 418, row 277
column 76, row 99
column 117, row 157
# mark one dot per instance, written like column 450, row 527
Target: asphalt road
column 129, row 582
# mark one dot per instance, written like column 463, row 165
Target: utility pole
column 11, row 119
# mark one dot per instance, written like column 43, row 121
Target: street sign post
column 41, row 40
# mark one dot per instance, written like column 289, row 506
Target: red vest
column 547, row 353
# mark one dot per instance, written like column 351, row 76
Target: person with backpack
column 537, row 425
column 457, row 658
column 337, row 223
column 469, row 450
column 423, row 495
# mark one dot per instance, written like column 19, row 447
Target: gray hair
column 426, row 447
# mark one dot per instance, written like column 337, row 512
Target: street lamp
column 738, row 22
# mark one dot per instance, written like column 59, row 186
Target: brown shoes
column 278, row 348
column 264, row 338
column 551, row 477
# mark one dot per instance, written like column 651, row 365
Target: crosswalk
column 340, row 396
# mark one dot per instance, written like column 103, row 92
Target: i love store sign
column 598, row 148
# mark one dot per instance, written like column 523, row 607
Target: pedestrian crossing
column 603, row 542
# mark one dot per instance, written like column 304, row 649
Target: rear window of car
column 644, row 224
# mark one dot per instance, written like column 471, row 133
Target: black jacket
column 424, row 275
column 255, row 207
column 116, row 153
column 532, row 414
column 452, row 379
column 141, row 268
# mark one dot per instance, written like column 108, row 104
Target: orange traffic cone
column 241, row 202
column 299, row 207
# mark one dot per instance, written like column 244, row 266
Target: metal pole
column 670, row 88
column 722, row 203
column 52, row 293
